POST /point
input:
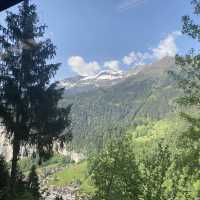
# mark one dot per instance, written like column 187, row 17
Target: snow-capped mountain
column 102, row 79
column 109, row 75
column 108, row 78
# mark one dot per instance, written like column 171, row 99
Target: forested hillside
column 126, row 130
column 147, row 92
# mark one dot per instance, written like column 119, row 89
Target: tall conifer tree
column 29, row 108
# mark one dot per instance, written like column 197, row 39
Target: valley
column 102, row 104
column 143, row 98
column 146, row 92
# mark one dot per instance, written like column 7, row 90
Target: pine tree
column 33, row 183
column 28, row 101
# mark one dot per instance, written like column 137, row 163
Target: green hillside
column 145, row 138
column 150, row 93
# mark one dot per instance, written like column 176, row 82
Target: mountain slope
column 80, row 84
column 146, row 91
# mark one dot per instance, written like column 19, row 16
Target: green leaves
column 155, row 167
column 115, row 172
column 187, row 161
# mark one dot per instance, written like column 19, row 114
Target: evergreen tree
column 33, row 183
column 28, row 101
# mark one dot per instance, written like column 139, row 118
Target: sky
column 94, row 35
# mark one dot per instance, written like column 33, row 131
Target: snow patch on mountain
column 110, row 77
column 105, row 77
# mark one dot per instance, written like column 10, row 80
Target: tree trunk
column 16, row 149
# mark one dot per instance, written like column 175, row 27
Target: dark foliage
column 28, row 101
column 4, row 179
column 33, row 183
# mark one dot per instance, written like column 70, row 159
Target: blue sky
column 91, row 35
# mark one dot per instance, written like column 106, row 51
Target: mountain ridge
column 107, row 78
column 146, row 91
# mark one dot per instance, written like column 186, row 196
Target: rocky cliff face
column 5, row 147
column 6, row 150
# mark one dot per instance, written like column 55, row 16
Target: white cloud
column 80, row 66
column 112, row 65
column 135, row 57
column 167, row 46
column 131, row 58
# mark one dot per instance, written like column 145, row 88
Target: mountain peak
column 106, row 78
column 160, row 65
column 109, row 74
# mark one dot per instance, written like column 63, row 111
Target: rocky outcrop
column 5, row 147
column 66, row 193
column 6, row 150
column 50, row 192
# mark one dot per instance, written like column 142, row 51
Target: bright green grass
column 25, row 164
column 155, row 130
column 73, row 173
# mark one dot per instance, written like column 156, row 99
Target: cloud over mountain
column 166, row 48
column 83, row 68
column 136, row 58
column 112, row 65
